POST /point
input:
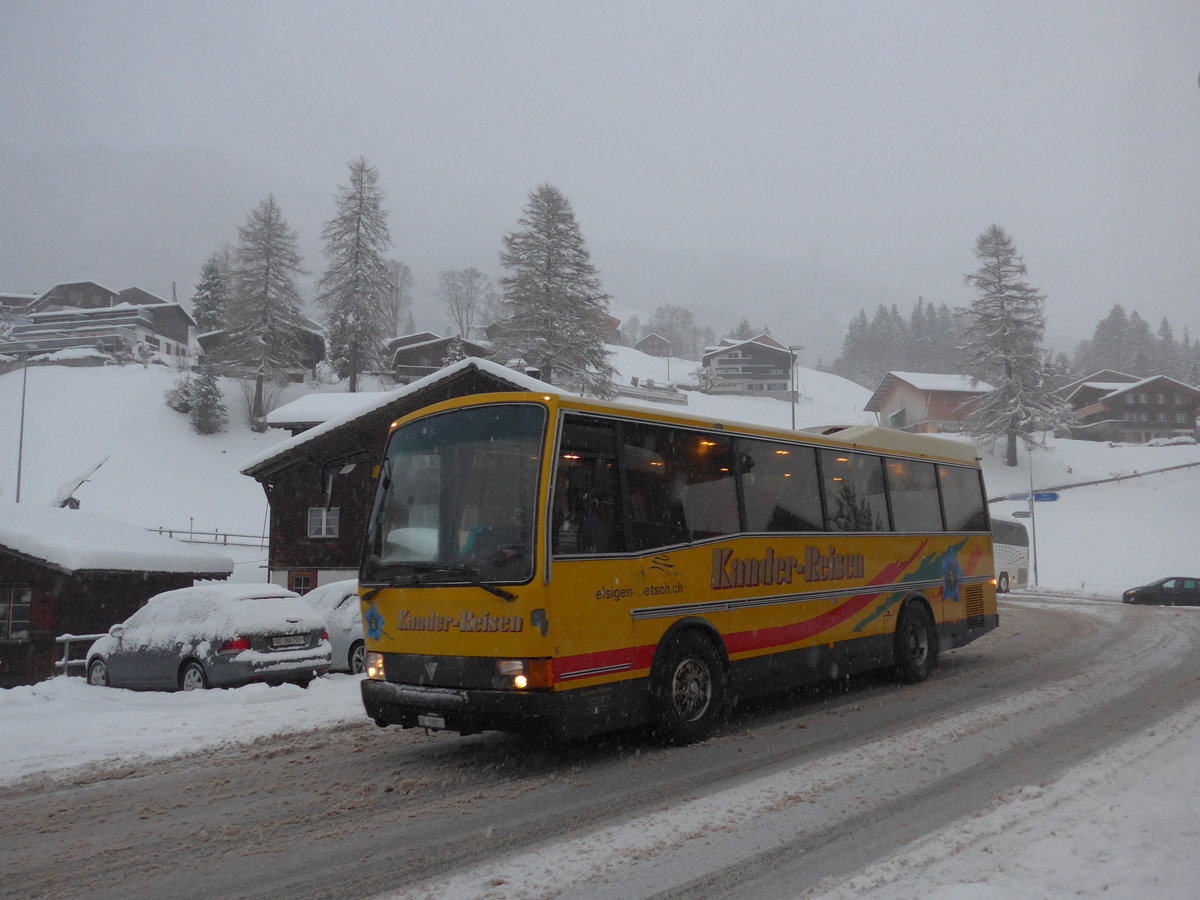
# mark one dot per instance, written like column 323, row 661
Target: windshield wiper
column 416, row 569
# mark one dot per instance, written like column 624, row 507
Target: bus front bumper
column 463, row 710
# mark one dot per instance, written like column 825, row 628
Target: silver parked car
column 213, row 635
column 338, row 603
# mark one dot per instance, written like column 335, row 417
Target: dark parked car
column 1166, row 592
column 213, row 635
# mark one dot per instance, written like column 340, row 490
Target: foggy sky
column 878, row 139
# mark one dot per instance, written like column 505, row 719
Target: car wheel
column 688, row 688
column 1002, row 583
column 192, row 677
column 97, row 673
column 358, row 658
column 916, row 644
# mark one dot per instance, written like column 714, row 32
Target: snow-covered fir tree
column 466, row 293
column 1005, row 324
column 357, row 284
column 265, row 322
column 454, row 351
column 208, row 413
column 553, row 292
column 210, row 302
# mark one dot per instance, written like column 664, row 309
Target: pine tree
column 455, row 351
column 466, row 293
column 1168, row 357
column 1004, row 346
column 357, row 281
column 264, row 334
column 208, row 414
column 553, row 291
column 211, row 300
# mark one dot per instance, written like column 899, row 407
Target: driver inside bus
column 496, row 546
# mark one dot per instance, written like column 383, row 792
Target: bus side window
column 854, row 491
column 962, row 499
column 780, row 485
column 914, row 492
column 584, row 515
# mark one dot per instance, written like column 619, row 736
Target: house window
column 898, row 419
column 15, row 603
column 1160, row 398
column 302, row 582
column 322, row 522
column 1181, row 418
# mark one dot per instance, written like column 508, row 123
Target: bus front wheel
column 916, row 644
column 1002, row 583
column 688, row 688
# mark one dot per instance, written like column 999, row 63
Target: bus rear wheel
column 916, row 644
column 688, row 688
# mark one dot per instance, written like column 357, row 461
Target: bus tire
column 688, row 688
column 1002, row 583
column 916, row 644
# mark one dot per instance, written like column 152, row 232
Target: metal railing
column 63, row 666
column 222, row 538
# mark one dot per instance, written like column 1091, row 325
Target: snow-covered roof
column 932, row 381
column 76, row 541
column 313, row 408
column 519, row 379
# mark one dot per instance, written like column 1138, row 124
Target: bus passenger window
column 962, row 499
column 913, row 489
column 854, row 491
column 682, row 485
column 780, row 486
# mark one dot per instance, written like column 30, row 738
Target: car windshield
column 455, row 498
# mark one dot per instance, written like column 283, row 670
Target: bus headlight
column 522, row 674
column 375, row 665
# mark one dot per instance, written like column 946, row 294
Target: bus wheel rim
column 691, row 689
column 918, row 643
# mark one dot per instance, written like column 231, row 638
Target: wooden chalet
column 1112, row 406
column 308, row 334
column 654, row 344
column 924, row 402
column 319, row 484
column 64, row 571
column 414, row 356
column 83, row 314
column 758, row 365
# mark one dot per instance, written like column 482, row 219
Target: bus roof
column 858, row 437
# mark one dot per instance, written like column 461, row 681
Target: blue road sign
column 1045, row 496
column 1016, row 496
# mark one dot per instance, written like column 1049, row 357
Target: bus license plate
column 431, row 721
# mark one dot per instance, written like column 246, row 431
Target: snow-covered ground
column 1115, row 825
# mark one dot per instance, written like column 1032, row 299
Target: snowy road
column 791, row 792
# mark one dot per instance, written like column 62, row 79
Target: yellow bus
column 542, row 562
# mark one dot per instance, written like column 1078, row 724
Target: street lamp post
column 21, row 430
column 792, row 378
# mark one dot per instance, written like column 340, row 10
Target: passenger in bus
column 579, row 530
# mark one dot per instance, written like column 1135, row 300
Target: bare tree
column 466, row 293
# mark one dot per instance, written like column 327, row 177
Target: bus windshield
column 456, row 498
